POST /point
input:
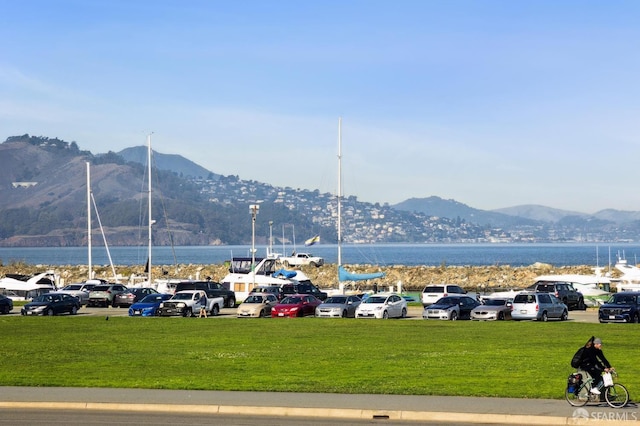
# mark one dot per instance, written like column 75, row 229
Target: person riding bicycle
column 594, row 362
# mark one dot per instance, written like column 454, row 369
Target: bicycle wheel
column 579, row 397
column 617, row 395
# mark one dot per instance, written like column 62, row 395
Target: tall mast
column 149, row 201
column 90, row 265
column 339, row 198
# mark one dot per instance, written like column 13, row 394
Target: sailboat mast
column 149, row 213
column 339, row 198
column 90, row 264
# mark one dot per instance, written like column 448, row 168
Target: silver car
column 340, row 306
column 493, row 309
column 80, row 290
column 538, row 306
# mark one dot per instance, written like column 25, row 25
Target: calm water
column 377, row 254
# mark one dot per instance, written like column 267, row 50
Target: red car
column 296, row 305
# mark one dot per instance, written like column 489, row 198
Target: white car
column 80, row 290
column 434, row 292
column 382, row 305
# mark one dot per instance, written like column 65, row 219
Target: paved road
column 395, row 408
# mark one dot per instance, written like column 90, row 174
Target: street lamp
column 253, row 209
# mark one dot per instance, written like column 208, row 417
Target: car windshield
column 375, row 299
column 253, row 299
column 152, row 298
column 182, row 296
column 291, row 301
column 623, row 299
column 336, row 299
column 43, row 298
column 496, row 302
column 448, row 301
column 73, row 287
column 101, row 288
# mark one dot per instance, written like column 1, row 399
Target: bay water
column 556, row 254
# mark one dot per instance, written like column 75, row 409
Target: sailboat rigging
column 343, row 274
column 91, row 201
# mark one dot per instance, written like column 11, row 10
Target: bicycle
column 578, row 391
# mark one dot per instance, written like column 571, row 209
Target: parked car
column 276, row 290
column 103, row 294
column 148, row 306
column 340, row 306
column 212, row 288
column 296, row 305
column 451, row 308
column 538, row 306
column 6, row 304
column 434, row 292
column 621, row 307
column 131, row 296
column 493, row 309
column 79, row 290
column 303, row 288
column 185, row 303
column 563, row 291
column 382, row 305
column 257, row 305
column 52, row 304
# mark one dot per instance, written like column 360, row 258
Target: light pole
column 270, row 253
column 253, row 208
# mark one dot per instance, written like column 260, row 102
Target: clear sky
column 490, row 103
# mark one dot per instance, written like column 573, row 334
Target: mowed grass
column 502, row 359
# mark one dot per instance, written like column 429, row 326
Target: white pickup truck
column 187, row 303
column 298, row 259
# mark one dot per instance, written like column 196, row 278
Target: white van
column 433, row 292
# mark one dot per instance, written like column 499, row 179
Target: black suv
column 563, row 291
column 212, row 288
column 621, row 307
column 303, row 288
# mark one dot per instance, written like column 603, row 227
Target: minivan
column 538, row 306
column 432, row 292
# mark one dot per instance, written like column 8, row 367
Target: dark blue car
column 621, row 307
column 6, row 304
column 148, row 307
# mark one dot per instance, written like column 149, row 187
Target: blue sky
column 491, row 103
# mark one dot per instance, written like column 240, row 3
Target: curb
column 343, row 413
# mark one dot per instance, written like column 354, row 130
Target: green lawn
column 506, row 359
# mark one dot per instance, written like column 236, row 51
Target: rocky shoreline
column 413, row 278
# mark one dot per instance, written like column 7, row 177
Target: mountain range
column 43, row 188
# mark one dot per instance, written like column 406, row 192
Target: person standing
column 203, row 306
column 594, row 362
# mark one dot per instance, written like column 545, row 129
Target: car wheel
column 544, row 317
column 453, row 316
column 49, row 312
column 385, row 315
column 565, row 316
column 187, row 313
column 404, row 313
column 74, row 310
column 231, row 302
column 215, row 311
column 581, row 305
column 313, row 264
column 344, row 314
column 501, row 316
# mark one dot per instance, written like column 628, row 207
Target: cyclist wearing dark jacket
column 594, row 362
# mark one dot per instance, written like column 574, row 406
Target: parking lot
column 415, row 313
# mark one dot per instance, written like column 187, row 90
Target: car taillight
column 537, row 307
column 445, row 295
column 556, row 293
